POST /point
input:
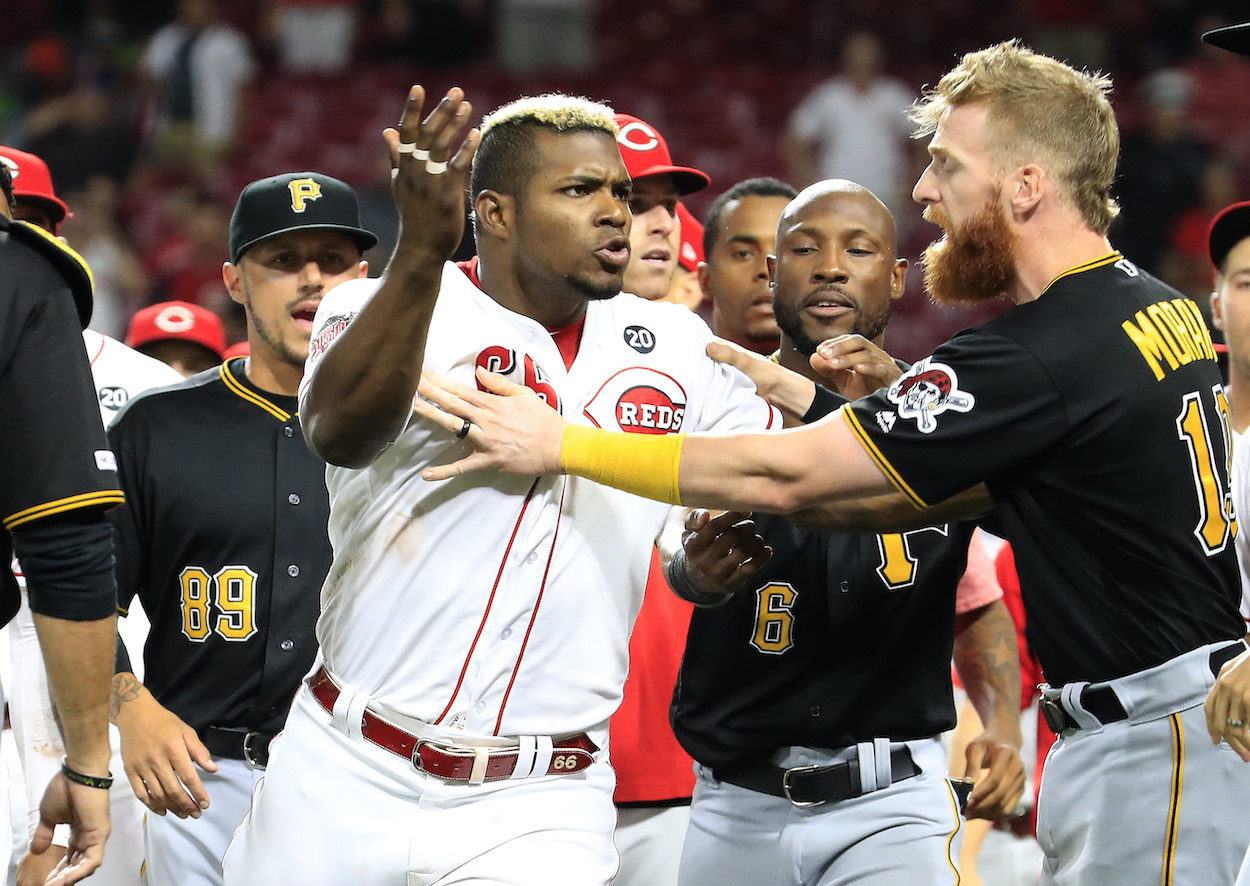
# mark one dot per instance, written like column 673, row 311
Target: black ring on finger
column 464, row 430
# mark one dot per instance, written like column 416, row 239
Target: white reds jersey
column 498, row 604
column 121, row 372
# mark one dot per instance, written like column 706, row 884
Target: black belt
column 814, row 785
column 238, row 744
column 1104, row 704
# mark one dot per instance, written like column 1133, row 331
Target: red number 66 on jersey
column 503, row 361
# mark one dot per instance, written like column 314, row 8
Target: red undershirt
column 567, row 338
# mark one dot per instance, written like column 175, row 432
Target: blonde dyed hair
column 563, row 113
column 1040, row 110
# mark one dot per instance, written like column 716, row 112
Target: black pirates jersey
column 1096, row 417
column 224, row 539
column 840, row 639
column 53, row 449
column 52, row 446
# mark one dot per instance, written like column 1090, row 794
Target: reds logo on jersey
column 330, row 330
column 638, row 400
column 926, row 392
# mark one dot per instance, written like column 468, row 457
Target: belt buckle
column 1054, row 715
column 247, row 751
column 416, row 754
column 785, row 786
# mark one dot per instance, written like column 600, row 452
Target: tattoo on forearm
column 988, row 661
column 125, row 688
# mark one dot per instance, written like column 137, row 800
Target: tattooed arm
column 988, row 662
column 159, row 750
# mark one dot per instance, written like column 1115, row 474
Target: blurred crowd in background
column 152, row 115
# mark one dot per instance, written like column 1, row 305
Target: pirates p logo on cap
column 303, row 190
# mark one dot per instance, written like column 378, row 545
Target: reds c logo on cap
column 302, row 191
column 638, row 136
column 175, row 319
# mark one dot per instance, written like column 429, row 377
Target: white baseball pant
column 188, row 851
column 335, row 809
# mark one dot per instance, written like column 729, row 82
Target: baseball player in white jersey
column 474, row 634
column 119, row 373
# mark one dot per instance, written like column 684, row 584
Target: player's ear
column 495, row 214
column 1217, row 311
column 705, row 280
column 233, row 278
column 363, row 269
column 1026, row 188
column 898, row 278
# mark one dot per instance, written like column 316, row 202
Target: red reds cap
column 32, row 182
column 1234, row 38
column 691, row 239
column 238, row 349
column 177, row 320
column 1229, row 227
column 646, row 153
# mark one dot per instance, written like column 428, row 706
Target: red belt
column 449, row 762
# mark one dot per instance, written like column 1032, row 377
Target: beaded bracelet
column 90, row 781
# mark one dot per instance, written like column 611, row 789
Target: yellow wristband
column 643, row 464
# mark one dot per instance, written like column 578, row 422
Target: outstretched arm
column 777, row 472
column 360, row 392
column 820, row 473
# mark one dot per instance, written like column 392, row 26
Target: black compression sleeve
column 68, row 564
column 825, row 402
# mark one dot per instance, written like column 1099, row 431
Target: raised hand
column 783, row 388
column 511, row 428
column 429, row 181
column 724, row 552
column 854, row 366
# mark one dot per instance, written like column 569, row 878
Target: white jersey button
column 507, row 632
column 532, row 557
column 480, row 706
column 287, row 645
column 293, row 498
column 288, row 432
column 292, row 570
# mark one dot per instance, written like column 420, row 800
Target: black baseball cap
column 1234, row 38
column 295, row 201
column 1230, row 226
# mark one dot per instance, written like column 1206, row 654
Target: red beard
column 975, row 263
